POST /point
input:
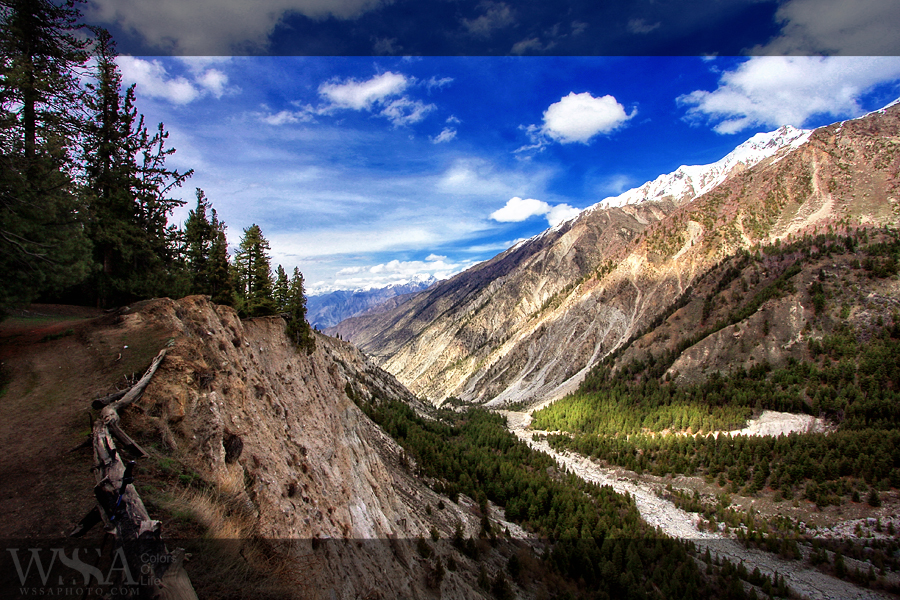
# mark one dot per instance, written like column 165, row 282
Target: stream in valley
column 803, row 580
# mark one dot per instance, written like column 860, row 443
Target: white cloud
column 214, row 81
column 153, row 80
column 332, row 243
column 382, row 92
column 496, row 16
column 285, row 117
column 615, row 185
column 435, row 82
column 640, row 26
column 404, row 111
column 579, row 117
column 836, row 27
column 446, row 135
column 517, row 210
column 560, row 213
column 530, row 45
column 788, row 90
column 363, row 95
column 215, row 26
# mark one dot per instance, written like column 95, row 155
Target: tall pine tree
column 298, row 329
column 206, row 252
column 221, row 284
column 199, row 236
column 281, row 289
column 253, row 275
column 42, row 246
column 128, row 185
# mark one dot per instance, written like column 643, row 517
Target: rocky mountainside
column 248, row 439
column 327, row 310
column 689, row 181
column 528, row 325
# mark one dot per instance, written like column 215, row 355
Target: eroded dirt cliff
column 249, row 441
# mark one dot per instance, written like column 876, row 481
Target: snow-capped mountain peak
column 689, row 181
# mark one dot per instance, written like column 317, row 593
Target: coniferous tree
column 253, row 275
column 128, row 187
column 199, row 236
column 281, row 289
column 42, row 247
column 221, row 284
column 298, row 329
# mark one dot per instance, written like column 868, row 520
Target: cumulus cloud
column 530, row 46
column 836, row 27
column 788, row 90
column 496, row 16
column 577, row 118
column 214, row 81
column 363, row 95
column 215, row 26
column 404, row 111
column 382, row 94
column 517, row 210
column 446, row 135
column 154, row 80
column 641, row 26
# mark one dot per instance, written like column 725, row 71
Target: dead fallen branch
column 152, row 570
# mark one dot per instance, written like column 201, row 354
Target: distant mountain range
column 327, row 310
column 527, row 325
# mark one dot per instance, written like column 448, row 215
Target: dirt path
column 674, row 522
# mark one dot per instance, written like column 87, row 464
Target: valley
column 755, row 297
column 649, row 495
column 690, row 391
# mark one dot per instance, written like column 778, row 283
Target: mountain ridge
column 495, row 333
column 328, row 309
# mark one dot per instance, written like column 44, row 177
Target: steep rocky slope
column 248, row 439
column 528, row 324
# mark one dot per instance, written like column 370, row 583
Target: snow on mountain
column 689, row 181
column 419, row 279
column 327, row 310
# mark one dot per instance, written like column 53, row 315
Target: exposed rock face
column 445, row 340
column 528, row 324
column 292, row 456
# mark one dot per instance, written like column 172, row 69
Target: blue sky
column 363, row 171
column 374, row 140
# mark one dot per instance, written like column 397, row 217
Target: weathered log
column 107, row 400
column 160, row 574
column 92, row 518
column 126, row 441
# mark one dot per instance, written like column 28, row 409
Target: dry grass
column 230, row 555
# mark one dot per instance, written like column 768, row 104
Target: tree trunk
column 152, row 570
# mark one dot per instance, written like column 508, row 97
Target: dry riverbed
column 803, row 580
